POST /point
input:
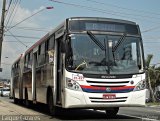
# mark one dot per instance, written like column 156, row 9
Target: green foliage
column 148, row 60
column 153, row 75
column 153, row 71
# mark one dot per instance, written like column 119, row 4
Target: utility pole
column 2, row 29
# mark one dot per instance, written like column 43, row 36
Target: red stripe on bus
column 104, row 88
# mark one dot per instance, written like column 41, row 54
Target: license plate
column 109, row 96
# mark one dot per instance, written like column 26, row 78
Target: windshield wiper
column 100, row 45
column 122, row 38
column 95, row 40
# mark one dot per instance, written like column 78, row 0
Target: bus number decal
column 77, row 77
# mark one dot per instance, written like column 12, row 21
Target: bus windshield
column 114, row 54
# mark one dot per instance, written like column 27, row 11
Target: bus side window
column 39, row 50
column 25, row 62
column 47, row 45
column 46, row 51
column 18, row 67
column 51, row 43
column 30, row 60
column 41, row 54
column 15, row 69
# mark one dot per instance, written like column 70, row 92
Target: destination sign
column 104, row 27
column 86, row 25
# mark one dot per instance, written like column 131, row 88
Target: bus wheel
column 112, row 112
column 50, row 103
column 15, row 100
column 26, row 102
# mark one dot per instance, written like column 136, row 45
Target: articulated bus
column 86, row 62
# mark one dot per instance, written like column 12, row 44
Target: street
column 10, row 111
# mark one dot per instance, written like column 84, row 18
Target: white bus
column 86, row 62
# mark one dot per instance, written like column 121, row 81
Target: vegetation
column 153, row 76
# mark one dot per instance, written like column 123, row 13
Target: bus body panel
column 16, row 79
column 16, row 87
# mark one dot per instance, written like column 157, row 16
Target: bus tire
column 50, row 104
column 112, row 112
column 15, row 100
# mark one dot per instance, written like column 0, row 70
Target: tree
column 158, row 76
column 150, row 75
column 156, row 83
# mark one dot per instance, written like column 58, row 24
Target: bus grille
column 101, row 100
column 108, row 83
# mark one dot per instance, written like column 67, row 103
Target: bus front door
column 59, row 73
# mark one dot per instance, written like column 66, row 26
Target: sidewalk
column 5, row 110
column 12, row 112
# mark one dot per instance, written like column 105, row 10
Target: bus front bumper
column 78, row 99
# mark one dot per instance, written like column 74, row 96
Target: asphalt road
column 10, row 111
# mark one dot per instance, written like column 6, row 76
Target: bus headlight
column 140, row 86
column 73, row 85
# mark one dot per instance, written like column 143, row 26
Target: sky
column 146, row 13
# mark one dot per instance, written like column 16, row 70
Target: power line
column 148, row 30
column 18, row 39
column 20, row 36
column 12, row 11
column 103, row 11
column 29, row 17
column 16, row 9
column 125, row 13
column 124, row 8
column 32, row 29
column 86, row 7
column 42, row 28
column 9, row 5
column 106, row 4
